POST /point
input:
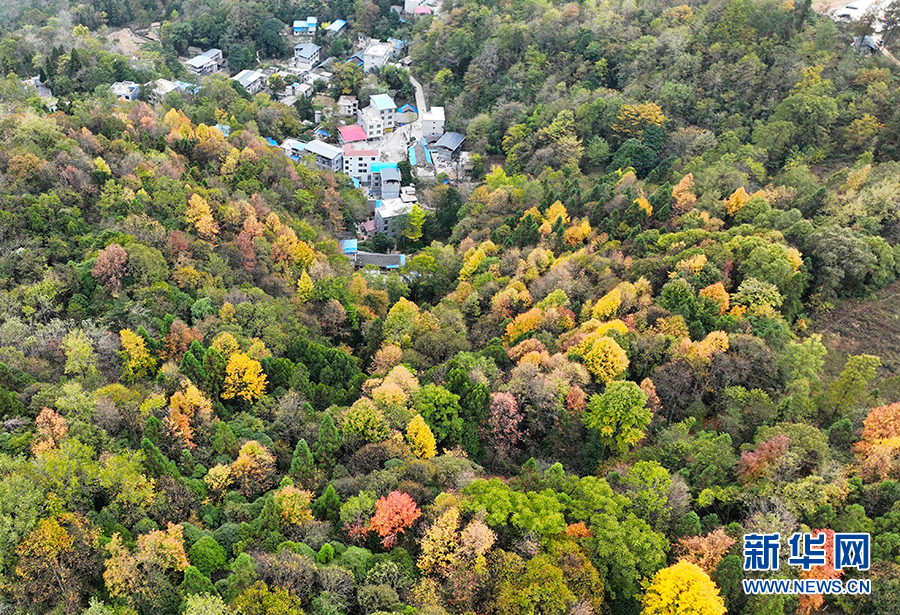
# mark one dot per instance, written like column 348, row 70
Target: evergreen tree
column 328, row 444
column 302, row 464
column 328, row 506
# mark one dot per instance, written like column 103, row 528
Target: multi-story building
column 328, row 157
column 385, row 211
column 129, row 90
column 385, row 107
column 433, row 123
column 206, row 63
column 376, row 55
column 306, row 55
column 358, row 162
column 371, row 122
column 347, row 106
column 385, row 179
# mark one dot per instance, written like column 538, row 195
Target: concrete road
column 393, row 146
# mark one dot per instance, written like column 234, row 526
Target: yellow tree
column 603, row 357
column 136, row 359
column 420, row 438
column 683, row 195
column 244, row 378
column 304, row 287
column 682, row 589
column 634, row 119
column 200, row 215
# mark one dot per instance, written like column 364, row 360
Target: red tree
column 393, row 515
column 502, row 425
column 110, row 267
column 753, row 465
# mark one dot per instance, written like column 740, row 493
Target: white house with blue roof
column 383, row 107
column 335, row 27
column 306, row 27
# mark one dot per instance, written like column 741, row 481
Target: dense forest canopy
column 600, row 366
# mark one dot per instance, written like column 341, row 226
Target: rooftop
column 377, row 166
column 388, row 208
column 422, row 10
column 346, row 100
column 434, row 114
column 382, row 102
column 292, row 144
column 320, row 148
column 350, row 151
column 353, row 132
column 382, row 261
column 450, row 140
column 390, row 174
column 306, row 50
column 247, row 77
column 336, row 25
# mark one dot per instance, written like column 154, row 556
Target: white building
column 251, row 80
column 128, row 90
column 328, row 157
column 385, row 107
column 348, row 106
column 433, row 123
column 161, row 87
column 358, row 162
column 306, row 55
column 371, row 122
column 293, row 148
column 206, row 63
column 409, row 6
column 386, row 210
column 376, row 55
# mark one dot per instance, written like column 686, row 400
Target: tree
column 682, row 589
column 141, row 577
column 393, row 515
column 602, row 356
column 136, row 359
column 110, row 267
column 258, row 599
column 705, row 551
column 413, row 228
column 851, row 384
column 51, row 429
column 328, row 443
column 207, row 555
column 620, row 415
column 539, row 588
column 439, row 544
column 81, row 360
column 328, row 506
column 205, row 604
column 244, row 378
column 303, row 466
column 58, row 563
column 502, row 428
column 420, row 438
column 440, row 409
column 200, row 215
column 877, row 448
column 253, row 469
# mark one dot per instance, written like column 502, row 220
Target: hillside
column 656, row 315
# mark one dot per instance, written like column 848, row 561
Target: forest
column 602, row 364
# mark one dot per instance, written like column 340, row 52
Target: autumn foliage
column 394, row 514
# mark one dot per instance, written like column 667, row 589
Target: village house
column 206, row 63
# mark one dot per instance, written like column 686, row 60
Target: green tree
column 302, row 464
column 619, row 414
column 207, row 555
column 328, row 443
column 441, row 411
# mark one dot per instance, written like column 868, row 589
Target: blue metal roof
column 271, row 141
column 336, row 25
column 382, row 102
column 428, row 156
column 225, row 130
column 375, row 167
column 349, row 246
column 412, row 156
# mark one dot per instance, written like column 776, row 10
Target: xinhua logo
column 808, row 551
